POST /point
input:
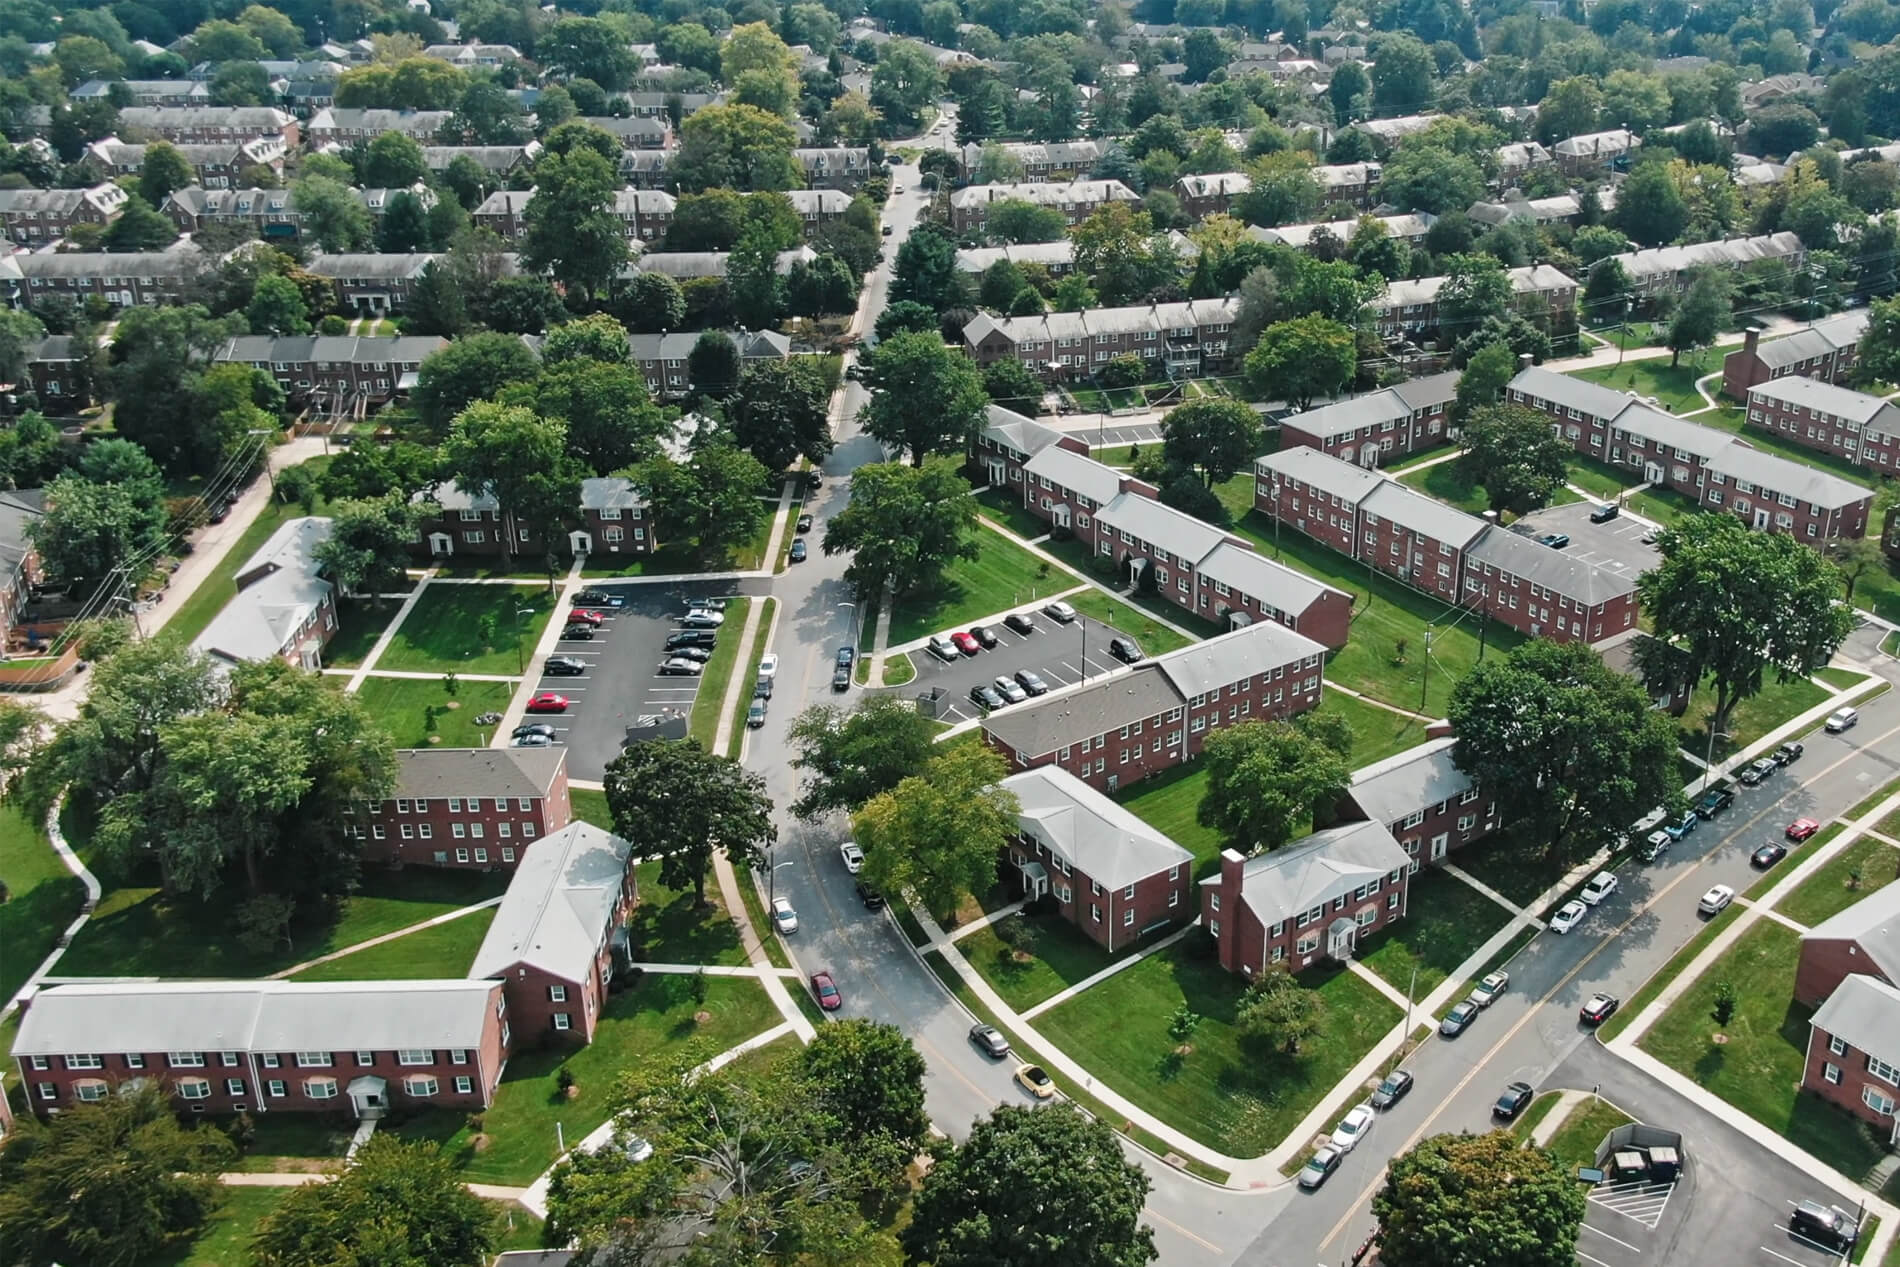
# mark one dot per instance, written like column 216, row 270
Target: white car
column 768, row 665
column 944, row 649
column 784, row 916
column 1841, row 719
column 853, row 857
column 1601, row 885
column 1060, row 612
column 1352, row 1128
column 1568, row 916
column 1716, row 900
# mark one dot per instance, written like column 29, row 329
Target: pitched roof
column 1811, row 393
column 1830, row 335
column 1590, row 398
column 1058, row 254
column 434, row 773
column 1046, row 193
column 1413, row 510
column 1015, row 431
column 1321, row 471
column 1282, row 883
column 559, row 905
column 1163, row 527
column 1075, row 713
column 1555, row 570
column 1873, row 923
column 280, row 590
column 1774, row 473
column 1239, row 653
column 1864, row 1012
column 1089, row 831
column 1403, row 784
column 1065, row 469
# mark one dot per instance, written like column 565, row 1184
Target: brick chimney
column 1750, row 339
column 1232, row 864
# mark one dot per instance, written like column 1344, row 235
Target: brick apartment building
column 611, row 519
column 212, row 125
column 1409, row 228
column 472, row 808
column 1459, row 558
column 1118, row 729
column 1189, row 338
column 284, row 608
column 58, row 379
column 1853, row 1058
column 35, row 217
column 662, row 357
column 1111, row 874
column 1863, row 939
column 1007, row 442
column 1411, row 306
column 269, row 212
column 1519, row 158
column 1837, row 420
column 355, row 1047
column 834, row 167
column 1213, row 193
column 1421, row 796
column 1076, row 200
column 644, row 214
column 1826, row 351
column 1594, row 152
column 146, row 277
column 1355, row 183
column 339, row 373
column 1308, row 901
column 371, row 284
column 1057, row 257
column 1667, row 269
column 223, row 165
column 1379, row 427
column 344, row 126
column 1042, row 162
column 147, row 92
column 1718, row 470
column 498, row 161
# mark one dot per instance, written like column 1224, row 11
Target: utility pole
column 1425, row 669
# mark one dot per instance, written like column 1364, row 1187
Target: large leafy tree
column 712, row 498
column 1485, row 377
column 904, row 526
column 782, row 410
column 393, row 161
column 468, row 370
column 735, row 147
column 1279, row 1011
column 1741, row 604
column 588, row 48
column 611, row 421
column 333, row 216
column 848, row 758
column 1265, row 780
column 936, row 834
column 1033, row 1188
column 523, row 460
column 1570, row 748
column 164, row 170
column 1879, row 359
column 905, row 80
column 116, row 1183
column 1704, row 310
column 673, row 798
column 369, row 542
column 1120, row 249
column 1478, row 1201
column 90, row 530
column 1303, row 359
column 396, row 1202
column 926, row 397
column 570, row 226
column 927, row 272
column 1512, row 451
column 1650, row 207
column 1217, row 438
column 277, row 307
column 870, row 1079
column 139, row 227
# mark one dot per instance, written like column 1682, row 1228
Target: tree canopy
column 904, row 525
column 1478, row 1201
column 672, row 798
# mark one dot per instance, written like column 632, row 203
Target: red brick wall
column 1245, row 945
column 545, row 814
column 1104, row 916
column 1416, row 560
column 1824, row 964
column 1309, row 512
column 1852, row 1078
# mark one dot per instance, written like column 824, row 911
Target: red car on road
column 582, row 616
column 966, row 643
column 548, row 702
column 827, row 991
column 1801, row 828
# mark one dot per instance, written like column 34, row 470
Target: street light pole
column 1708, row 756
column 521, row 665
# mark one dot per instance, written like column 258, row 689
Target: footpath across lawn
column 445, row 950
column 1446, row 920
column 1230, row 1092
column 42, row 898
column 1061, row 957
column 1002, row 576
column 469, row 629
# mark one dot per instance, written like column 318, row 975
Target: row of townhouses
column 35, row 217
column 835, row 167
column 1826, row 351
column 218, row 165
column 1378, row 428
column 645, row 214
column 1189, row 338
column 1832, row 419
column 1410, row 306
column 337, row 373
column 1076, row 200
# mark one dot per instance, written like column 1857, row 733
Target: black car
column 1788, row 753
column 1769, row 854
column 803, row 525
column 579, row 633
column 564, row 666
column 841, row 678
column 762, row 689
column 799, row 552
column 1124, row 649
column 985, row 696
column 532, row 728
column 1555, row 540
column 1598, row 1008
column 1826, row 1225
column 598, row 598
column 872, row 899
column 1020, row 622
column 1714, row 801
column 990, row 1041
column 691, row 638
column 1512, row 1102
column 1458, row 1019
column 1393, row 1089
column 1604, row 513
column 985, row 636
column 1032, row 682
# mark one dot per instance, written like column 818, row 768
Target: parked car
column 1827, row 1225
column 944, row 649
column 1035, row 1080
column 1353, row 1127
column 1605, row 512
column 1320, row 1166
column 1801, row 828
column 1788, row 753
column 533, row 728
column 703, row 618
column 1768, row 855
column 548, row 702
column 534, row 741
column 1487, row 991
column 1568, row 916
column 1393, row 1089
column 691, row 638
column 841, row 678
column 1597, row 1008
column 1651, row 536
column 1716, row 900
column 1010, row 689
column 698, row 654
column 1715, row 800
column 990, row 1041
column 768, row 665
column 1512, row 1102
column 985, row 696
column 563, row 666
column 847, row 655
column 586, row 616
column 762, row 687
column 1032, row 682
column 872, row 899
column 1655, row 845
column 1125, row 650
column 827, row 992
column 1555, row 540
column 1458, row 1018
column 1060, row 612
column 1601, row 885
column 1842, row 719
column 966, row 643
column 598, row 598
column 984, row 635
column 1020, row 622
column 578, row 633
column 852, row 855
column 803, row 525
column 680, row 666
column 755, row 714
column 1756, row 771
column 799, row 552
column 783, row 916
column 1684, row 825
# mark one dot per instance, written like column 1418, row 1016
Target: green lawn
column 651, row 1023
column 1519, row 869
column 403, row 706
column 360, row 622
column 704, row 722
column 1664, row 505
column 1775, row 704
column 220, row 587
column 1673, row 388
column 1003, row 575
column 1377, row 733
column 1063, row 956
column 444, row 629
column 1637, row 334
column 743, row 704
column 1420, row 458
column 1575, row 1142
column 590, row 806
column 446, row 950
column 1153, row 637
column 1000, row 505
column 676, row 557
column 1449, row 484
column 669, row 927
column 1229, row 1092
column 1879, row 593
column 136, row 933
column 1840, row 679
column 1846, row 878
column 1446, row 920
column 1599, row 479
column 225, row 1239
column 1759, row 1066
column 42, row 898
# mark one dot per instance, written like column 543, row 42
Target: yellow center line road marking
column 1172, row 1226
column 1583, row 963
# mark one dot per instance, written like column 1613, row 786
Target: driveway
column 1059, row 654
column 1616, row 546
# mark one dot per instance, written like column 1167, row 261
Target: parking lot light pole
column 521, row 665
column 1708, row 757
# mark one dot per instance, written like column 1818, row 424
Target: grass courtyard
column 1846, row 878
column 1448, row 483
column 470, row 629
column 1062, row 957
column 1519, row 869
column 1153, row 637
column 668, row 927
column 1446, row 921
column 1674, row 389
column 1006, row 509
column 444, row 950
column 1003, row 575
column 42, row 898
column 359, row 623
column 1776, row 703
column 421, row 713
column 1758, row 1065
column 1229, row 1092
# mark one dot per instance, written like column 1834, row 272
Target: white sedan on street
column 853, row 857
column 1568, row 916
column 1601, row 885
column 1352, row 1128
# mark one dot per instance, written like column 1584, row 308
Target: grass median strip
column 711, row 696
column 1574, row 1143
column 743, row 706
column 1153, row 637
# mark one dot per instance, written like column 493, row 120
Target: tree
column 1704, row 310
column 926, row 270
column 1350, row 92
column 935, row 835
column 848, row 759
column 523, row 461
column 906, row 315
column 570, row 228
column 735, row 147
column 611, row 421
column 1283, row 191
column 1650, row 207
column 1014, row 386
column 1514, row 454
column 1118, row 247
column 926, row 397
column 1485, row 377
column 905, row 80
column 138, row 228
column 516, row 305
column 755, row 50
column 752, row 277
column 19, row 332
column 1277, row 1010
column 597, row 337
column 1033, row 1188
column 713, row 366
column 870, row 1078
column 32, row 453
column 1015, row 220
column 90, row 529
column 588, row 48
column 1856, row 558
column 395, row 1202
column 782, row 410
column 1476, row 288
column 1401, row 75
column 828, row 285
column 452, row 378
column 277, row 307
column 115, row 1182
column 369, row 541
column 1879, row 358
column 1479, row 1201
column 1740, row 603
column 164, row 170
column 712, row 498
column 1267, row 778
column 1303, row 359
column 651, row 302
column 1570, row 108
column 1426, row 178
column 672, row 798
column 404, row 226
column 332, row 214
column 1217, row 437
column 903, row 526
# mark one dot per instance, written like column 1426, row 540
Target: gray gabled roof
column 1092, row 833
column 610, row 492
column 1666, row 429
column 1068, row 716
column 1320, row 471
column 1018, row 432
column 559, row 906
column 1811, row 393
column 434, row 773
column 1282, row 883
column 1873, row 923
column 1065, row 469
column 284, row 589
column 1164, row 527
column 1863, row 1012
column 1592, row 399
column 1829, row 335
column 1555, row 570
column 1403, row 784
column 1237, row 654
column 1776, row 474
column 1256, row 576
column 1429, row 391
column 1414, row 511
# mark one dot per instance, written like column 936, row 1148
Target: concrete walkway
column 1121, row 965
column 545, row 647
column 716, row 970
column 1376, row 981
column 1566, row 1101
column 1488, row 891
column 93, row 892
column 769, row 977
column 388, row 634
column 444, row 918
column 964, row 930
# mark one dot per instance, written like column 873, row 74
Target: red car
column 582, row 616
column 827, row 991
column 966, row 643
column 548, row 702
column 1801, row 828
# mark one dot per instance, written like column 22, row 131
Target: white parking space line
column 1588, row 1259
column 1606, row 1236
column 1809, row 1242
column 1783, row 1257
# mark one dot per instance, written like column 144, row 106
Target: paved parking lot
column 1616, row 546
column 1060, row 654
column 1640, row 1224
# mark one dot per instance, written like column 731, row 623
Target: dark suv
column 692, row 638
column 841, row 675
column 1714, row 801
column 1826, row 1224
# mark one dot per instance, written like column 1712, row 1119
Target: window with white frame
column 420, row 1085
column 320, row 1088
column 562, row 1021
column 415, row 1056
column 313, row 1059
column 185, row 1059
column 194, row 1088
